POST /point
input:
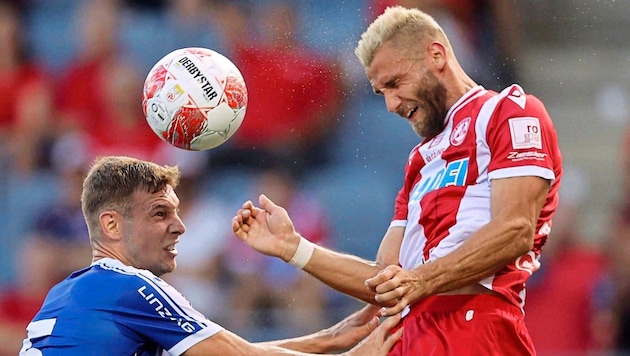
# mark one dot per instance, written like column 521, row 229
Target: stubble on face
column 433, row 104
column 145, row 237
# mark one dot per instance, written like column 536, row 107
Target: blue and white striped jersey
column 112, row 309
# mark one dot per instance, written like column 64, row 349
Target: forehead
column 148, row 200
column 374, row 69
column 389, row 63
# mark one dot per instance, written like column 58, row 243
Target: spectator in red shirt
column 294, row 93
column 99, row 93
column 26, row 108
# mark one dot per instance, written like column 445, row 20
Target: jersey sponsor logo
column 519, row 156
column 163, row 311
column 433, row 155
column 454, row 174
column 459, row 132
column 525, row 132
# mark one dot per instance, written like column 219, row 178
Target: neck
column 99, row 252
column 461, row 83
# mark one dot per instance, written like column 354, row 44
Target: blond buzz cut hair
column 407, row 27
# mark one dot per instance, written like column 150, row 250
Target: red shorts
column 464, row 325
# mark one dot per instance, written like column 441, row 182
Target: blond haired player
column 473, row 212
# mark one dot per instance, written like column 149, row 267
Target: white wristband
column 303, row 253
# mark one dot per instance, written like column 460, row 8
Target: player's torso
column 113, row 309
column 449, row 191
column 77, row 318
column 446, row 193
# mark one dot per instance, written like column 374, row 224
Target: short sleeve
column 521, row 137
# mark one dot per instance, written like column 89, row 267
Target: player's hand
column 380, row 341
column 353, row 328
column 268, row 229
column 395, row 285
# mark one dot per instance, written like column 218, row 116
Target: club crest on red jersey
column 459, row 132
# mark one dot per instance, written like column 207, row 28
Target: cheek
column 144, row 238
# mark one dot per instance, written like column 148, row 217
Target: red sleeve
column 522, row 138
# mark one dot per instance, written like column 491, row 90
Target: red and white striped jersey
column 446, row 192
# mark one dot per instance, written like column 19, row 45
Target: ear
column 111, row 224
column 437, row 54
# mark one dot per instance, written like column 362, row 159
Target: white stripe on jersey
column 171, row 295
column 176, row 301
column 413, row 245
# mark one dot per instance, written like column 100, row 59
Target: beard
column 433, row 106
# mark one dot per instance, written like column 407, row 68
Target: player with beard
column 473, row 212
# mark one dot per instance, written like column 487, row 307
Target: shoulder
column 516, row 109
column 128, row 283
column 513, row 100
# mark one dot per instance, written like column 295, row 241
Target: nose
column 178, row 226
column 392, row 101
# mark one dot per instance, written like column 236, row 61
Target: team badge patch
column 459, row 132
column 525, row 132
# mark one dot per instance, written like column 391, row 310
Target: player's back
column 112, row 309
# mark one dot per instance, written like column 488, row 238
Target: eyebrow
column 389, row 84
column 162, row 206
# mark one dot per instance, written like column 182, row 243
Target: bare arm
column 516, row 205
column 269, row 230
column 341, row 336
column 226, row 343
column 347, row 273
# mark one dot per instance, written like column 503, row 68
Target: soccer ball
column 194, row 98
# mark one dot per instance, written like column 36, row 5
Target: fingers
column 390, row 323
column 366, row 313
column 385, row 329
column 381, row 277
column 243, row 219
column 396, row 309
column 373, row 324
column 266, row 203
column 386, row 285
column 391, row 288
column 393, row 339
column 395, row 299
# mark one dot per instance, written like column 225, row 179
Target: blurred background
column 315, row 139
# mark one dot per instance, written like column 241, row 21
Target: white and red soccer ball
column 194, row 98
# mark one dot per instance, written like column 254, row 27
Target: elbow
column 523, row 232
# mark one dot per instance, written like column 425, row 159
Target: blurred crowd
column 315, row 139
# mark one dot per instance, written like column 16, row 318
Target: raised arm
column 269, row 230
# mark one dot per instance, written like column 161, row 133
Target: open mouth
column 171, row 248
column 411, row 112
